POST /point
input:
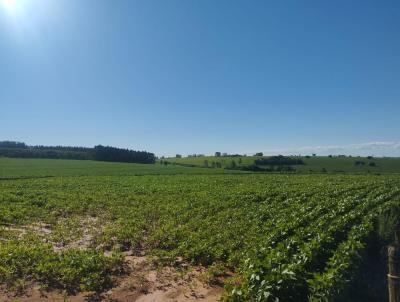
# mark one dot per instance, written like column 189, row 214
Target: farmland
column 252, row 237
column 312, row 164
column 32, row 168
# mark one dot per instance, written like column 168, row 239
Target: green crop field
column 312, row 164
column 20, row 168
column 257, row 237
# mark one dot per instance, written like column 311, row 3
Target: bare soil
column 143, row 281
column 147, row 283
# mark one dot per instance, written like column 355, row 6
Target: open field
column 312, row 164
column 28, row 168
column 241, row 237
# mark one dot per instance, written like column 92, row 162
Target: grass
column 347, row 164
column 315, row 164
column 26, row 168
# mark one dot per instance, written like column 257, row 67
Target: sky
column 199, row 76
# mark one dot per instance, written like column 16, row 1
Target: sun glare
column 8, row 4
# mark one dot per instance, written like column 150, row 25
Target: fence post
column 394, row 269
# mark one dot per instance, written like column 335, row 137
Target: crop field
column 312, row 164
column 183, row 237
column 32, row 168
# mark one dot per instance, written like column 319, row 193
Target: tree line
column 100, row 153
column 106, row 153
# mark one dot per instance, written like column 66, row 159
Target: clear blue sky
column 198, row 76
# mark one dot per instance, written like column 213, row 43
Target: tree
column 359, row 163
column 240, row 160
column 101, row 153
column 12, row 145
column 106, row 153
column 206, row 163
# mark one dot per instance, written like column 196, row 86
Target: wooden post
column 394, row 269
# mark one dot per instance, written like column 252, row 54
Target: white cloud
column 382, row 148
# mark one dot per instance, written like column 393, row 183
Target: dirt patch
column 143, row 282
column 20, row 231
column 79, row 233
column 147, row 283
column 84, row 237
column 34, row 294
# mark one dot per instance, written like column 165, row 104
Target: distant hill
column 300, row 164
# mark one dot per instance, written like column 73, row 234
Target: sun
column 8, row 4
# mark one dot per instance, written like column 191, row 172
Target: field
column 312, row 164
column 126, row 232
column 31, row 168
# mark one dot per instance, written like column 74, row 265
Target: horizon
column 375, row 149
column 199, row 77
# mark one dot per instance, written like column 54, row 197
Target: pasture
column 32, row 168
column 317, row 164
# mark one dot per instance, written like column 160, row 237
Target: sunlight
column 24, row 22
column 13, row 8
column 8, row 4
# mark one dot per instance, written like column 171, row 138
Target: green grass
column 17, row 168
column 347, row 164
column 26, row 168
column 312, row 164
column 225, row 161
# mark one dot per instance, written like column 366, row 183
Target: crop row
column 286, row 237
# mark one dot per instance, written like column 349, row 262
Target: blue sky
column 198, row 76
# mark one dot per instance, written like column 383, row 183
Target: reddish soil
column 148, row 284
column 143, row 283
